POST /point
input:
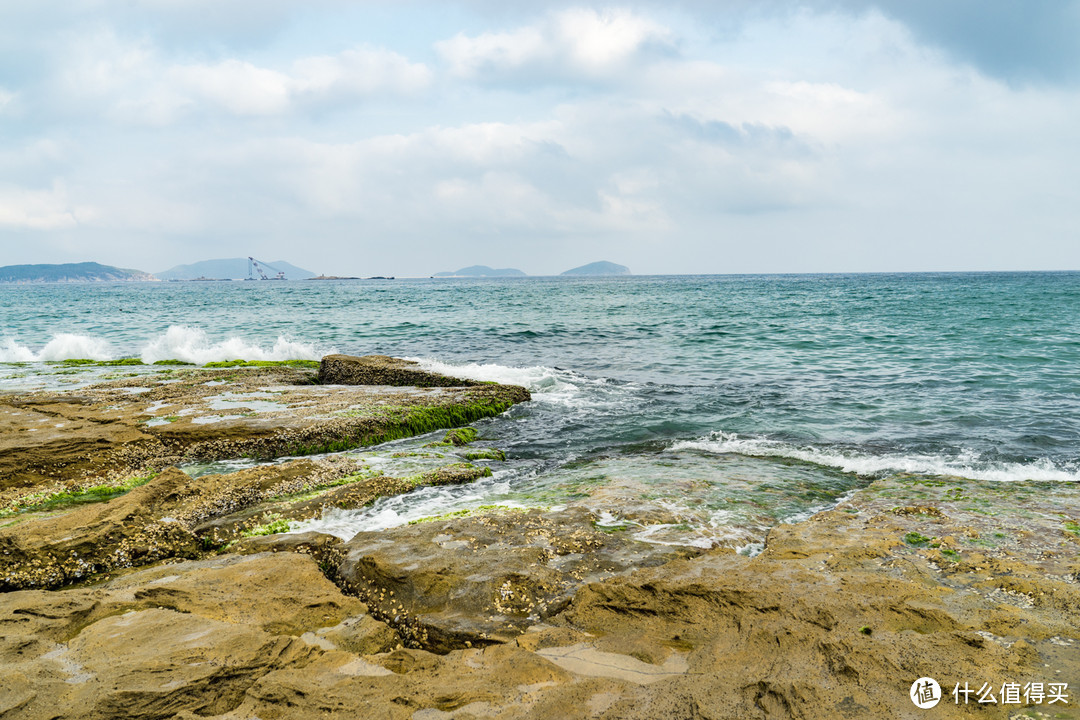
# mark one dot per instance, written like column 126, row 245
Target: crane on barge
column 255, row 265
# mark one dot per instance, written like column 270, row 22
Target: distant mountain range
column 599, row 268
column 237, row 269
column 595, row 269
column 70, row 273
column 232, row 269
column 482, row 271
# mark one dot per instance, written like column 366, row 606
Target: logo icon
column 925, row 693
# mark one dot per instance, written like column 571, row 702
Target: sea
column 694, row 410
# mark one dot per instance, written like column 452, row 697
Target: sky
column 408, row 138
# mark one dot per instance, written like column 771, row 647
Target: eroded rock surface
column 505, row 613
column 178, row 516
column 835, row 618
column 486, row 577
column 186, row 636
column 134, row 426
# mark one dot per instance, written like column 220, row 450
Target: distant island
column 71, row 273
column 232, row 269
column 482, row 271
column 599, row 268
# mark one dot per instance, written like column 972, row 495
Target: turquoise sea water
column 718, row 404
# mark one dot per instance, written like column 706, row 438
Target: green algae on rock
column 176, row 516
column 104, row 433
column 95, row 446
column 460, row 436
column 486, row 454
column 507, row 613
column 834, row 618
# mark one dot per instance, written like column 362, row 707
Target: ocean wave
column 548, row 384
column 966, row 465
column 64, row 346
column 179, row 342
column 193, row 345
column 397, row 510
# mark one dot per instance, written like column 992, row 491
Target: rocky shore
column 132, row 589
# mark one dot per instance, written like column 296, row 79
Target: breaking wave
column 966, row 465
column 179, row 342
column 194, row 346
column 63, row 346
column 548, row 384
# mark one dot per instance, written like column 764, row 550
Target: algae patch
column 470, row 512
column 43, row 502
column 486, row 454
column 276, row 525
column 917, row 539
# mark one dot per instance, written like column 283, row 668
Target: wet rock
column 474, row 580
column 256, row 636
column 150, row 523
column 453, row 474
column 114, row 430
column 174, row 515
column 280, row 593
column 486, row 454
column 460, row 436
column 227, row 527
column 130, row 530
column 358, row 493
column 533, row 614
column 277, row 592
column 382, row 370
column 318, row 545
column 837, row 617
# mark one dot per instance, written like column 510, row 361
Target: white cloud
column 360, row 71
column 239, row 87
column 246, row 89
column 22, row 208
column 805, row 141
column 135, row 83
column 576, row 43
column 7, row 101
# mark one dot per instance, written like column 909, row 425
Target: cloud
column 1018, row 42
column 360, row 71
column 238, row 87
column 578, row 44
column 830, row 135
column 21, row 208
column 7, row 101
column 243, row 88
column 134, row 83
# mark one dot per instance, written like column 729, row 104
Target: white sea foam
column 401, row 509
column 63, row 346
column 548, row 384
column 967, row 465
column 193, row 345
column 189, row 344
column 11, row 351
